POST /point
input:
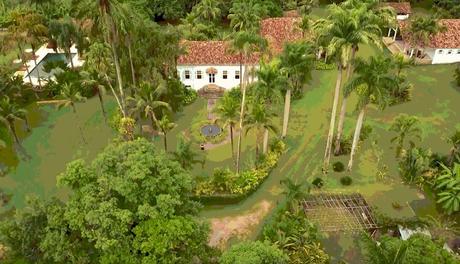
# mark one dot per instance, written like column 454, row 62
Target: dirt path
column 222, row 229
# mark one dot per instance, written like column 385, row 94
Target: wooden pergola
column 339, row 212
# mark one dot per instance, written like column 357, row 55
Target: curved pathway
column 308, row 116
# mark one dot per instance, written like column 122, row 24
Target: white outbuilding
column 442, row 48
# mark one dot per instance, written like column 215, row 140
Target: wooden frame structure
column 339, row 212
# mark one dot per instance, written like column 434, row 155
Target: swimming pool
column 50, row 57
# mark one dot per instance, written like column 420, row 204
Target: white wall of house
column 195, row 83
column 446, row 56
column 402, row 17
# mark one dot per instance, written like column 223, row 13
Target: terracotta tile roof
column 280, row 30
column 445, row 40
column 400, row 7
column 210, row 53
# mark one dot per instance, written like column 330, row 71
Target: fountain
column 210, row 130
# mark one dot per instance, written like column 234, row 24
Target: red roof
column 400, row 7
column 210, row 53
column 449, row 39
column 277, row 31
column 280, row 30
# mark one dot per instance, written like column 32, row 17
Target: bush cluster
column 338, row 166
column 190, row 96
column 224, row 181
column 346, row 181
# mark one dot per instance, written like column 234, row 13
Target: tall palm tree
column 147, row 100
column 228, row 112
column 373, row 83
column 335, row 30
column 366, row 30
column 165, row 126
column 95, row 82
column 423, row 28
column 259, row 118
column 245, row 44
column 65, row 33
column 405, row 126
column 9, row 113
column 102, row 13
column 296, row 63
column 70, row 94
column 17, row 34
column 36, row 33
column 267, row 89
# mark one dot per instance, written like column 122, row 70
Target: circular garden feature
column 210, row 130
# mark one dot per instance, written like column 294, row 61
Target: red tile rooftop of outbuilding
column 449, row 39
column 400, row 7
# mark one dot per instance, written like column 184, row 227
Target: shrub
column 224, row 181
column 318, row 182
column 366, row 131
column 345, row 145
column 346, row 181
column 338, row 166
column 190, row 96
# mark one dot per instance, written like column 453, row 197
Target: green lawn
column 54, row 141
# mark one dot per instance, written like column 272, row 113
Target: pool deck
column 41, row 54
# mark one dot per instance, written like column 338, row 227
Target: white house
column 211, row 64
column 442, row 48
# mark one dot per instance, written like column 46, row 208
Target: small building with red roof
column 444, row 47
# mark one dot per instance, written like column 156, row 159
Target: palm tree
column 95, row 82
column 267, row 89
column 70, row 95
column 294, row 190
column 259, row 119
column 245, row 43
column 185, row 155
column 246, row 15
column 147, row 100
column 373, row 83
column 9, row 113
column 365, row 30
column 405, row 126
column 296, row 63
column 165, row 126
column 36, row 33
column 336, row 31
column 17, row 34
column 228, row 113
column 102, row 13
column 382, row 253
column 423, row 28
column 65, row 33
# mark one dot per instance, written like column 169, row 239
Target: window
column 237, row 75
column 212, row 78
column 224, row 75
column 199, row 74
column 440, row 51
column 449, row 52
column 458, row 51
column 187, row 75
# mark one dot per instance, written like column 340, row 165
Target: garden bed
column 227, row 187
